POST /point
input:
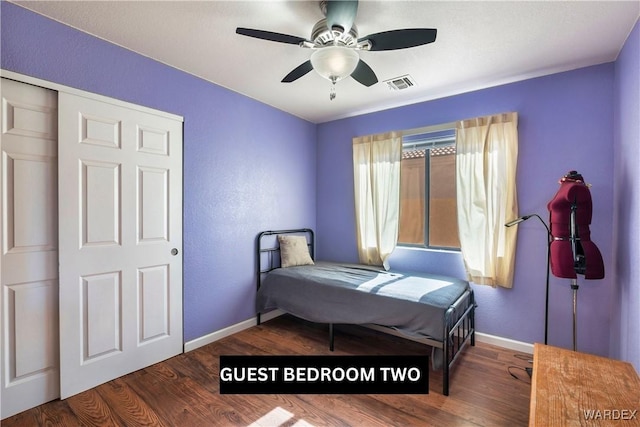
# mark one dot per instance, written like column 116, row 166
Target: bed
column 431, row 309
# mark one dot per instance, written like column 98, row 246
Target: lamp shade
column 335, row 62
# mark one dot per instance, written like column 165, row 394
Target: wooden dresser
column 576, row 389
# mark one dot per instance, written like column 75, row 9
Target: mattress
column 411, row 302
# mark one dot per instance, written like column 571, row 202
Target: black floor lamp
column 546, row 307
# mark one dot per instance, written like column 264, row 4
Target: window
column 428, row 214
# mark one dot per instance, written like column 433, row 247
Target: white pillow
column 294, row 251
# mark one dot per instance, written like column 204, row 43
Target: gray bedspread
column 413, row 303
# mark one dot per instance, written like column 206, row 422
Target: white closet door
column 29, row 241
column 120, row 238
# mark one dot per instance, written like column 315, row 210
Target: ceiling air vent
column 401, row 83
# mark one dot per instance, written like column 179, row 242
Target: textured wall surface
column 247, row 167
column 565, row 123
column 625, row 331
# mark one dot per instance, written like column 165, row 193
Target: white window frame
column 428, row 138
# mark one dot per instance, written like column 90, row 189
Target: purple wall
column 565, row 123
column 625, row 336
column 234, row 147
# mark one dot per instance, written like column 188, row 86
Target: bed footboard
column 459, row 330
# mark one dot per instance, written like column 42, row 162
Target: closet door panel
column 100, row 187
column 34, row 308
column 114, row 202
column 120, row 219
column 29, row 258
column 31, row 226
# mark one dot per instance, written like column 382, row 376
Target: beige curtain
column 376, row 179
column 487, row 154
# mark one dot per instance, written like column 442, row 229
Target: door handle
column 174, row 251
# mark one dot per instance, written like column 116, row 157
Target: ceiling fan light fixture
column 334, row 63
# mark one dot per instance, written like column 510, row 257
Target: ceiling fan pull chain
column 332, row 92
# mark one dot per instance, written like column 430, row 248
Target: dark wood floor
column 183, row 391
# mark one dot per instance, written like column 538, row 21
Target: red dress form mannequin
column 580, row 256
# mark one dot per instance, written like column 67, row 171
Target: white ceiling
column 479, row 44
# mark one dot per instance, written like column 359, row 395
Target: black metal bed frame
column 459, row 319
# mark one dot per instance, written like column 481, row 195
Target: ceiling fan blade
column 364, row 74
column 341, row 13
column 401, row 39
column 268, row 35
column 298, row 72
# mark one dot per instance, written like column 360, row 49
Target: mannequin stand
column 574, row 287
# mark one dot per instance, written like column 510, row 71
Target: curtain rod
column 429, row 129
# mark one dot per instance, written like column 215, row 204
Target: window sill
column 423, row 249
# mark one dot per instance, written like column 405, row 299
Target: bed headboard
column 268, row 249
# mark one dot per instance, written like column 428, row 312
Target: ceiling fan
column 335, row 44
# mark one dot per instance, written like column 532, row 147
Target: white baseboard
column 229, row 330
column 271, row 315
column 510, row 344
column 246, row 324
